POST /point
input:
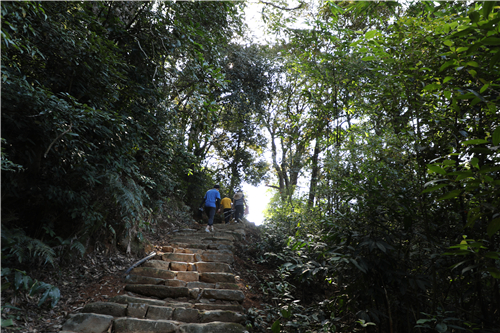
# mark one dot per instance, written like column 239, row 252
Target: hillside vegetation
column 381, row 121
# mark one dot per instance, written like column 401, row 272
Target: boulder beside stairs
column 187, row 288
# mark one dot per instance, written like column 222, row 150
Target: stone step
column 153, row 272
column 200, row 266
column 184, row 292
column 154, row 312
column 123, row 325
column 188, row 287
column 201, row 244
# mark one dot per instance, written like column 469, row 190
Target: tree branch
column 58, row 137
column 282, row 8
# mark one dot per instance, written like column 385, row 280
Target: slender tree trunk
column 314, row 175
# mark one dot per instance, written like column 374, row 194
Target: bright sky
column 257, row 197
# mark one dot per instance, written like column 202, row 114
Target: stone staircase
column 189, row 287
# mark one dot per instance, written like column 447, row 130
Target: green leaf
column 491, row 41
column 496, row 136
column 7, row 322
column 446, row 79
column 483, row 89
column 474, row 16
column 495, row 272
column 492, row 255
column 432, row 86
column 446, row 65
column 369, row 58
column 448, row 42
column 450, row 195
column 433, row 188
column 463, row 175
column 370, row 34
column 276, row 327
column 474, row 142
column 436, row 169
column 487, row 8
column 493, row 226
column 441, row 327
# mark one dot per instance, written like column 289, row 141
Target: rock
column 200, row 285
column 212, row 328
column 139, row 279
column 178, row 266
column 160, row 264
column 221, row 315
column 188, row 276
column 158, row 291
column 133, row 325
column 175, row 283
column 137, row 310
column 106, row 308
column 210, row 306
column 88, row 323
column 178, row 257
column 186, row 315
column 124, row 299
column 213, row 267
column 227, row 258
column 211, row 277
column 159, row 312
column 154, row 272
column 226, row 285
column 225, row 295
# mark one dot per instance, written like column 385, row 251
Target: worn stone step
column 205, row 236
column 106, row 308
column 153, row 272
column 191, row 276
column 224, row 294
column 157, row 291
column 158, row 264
column 140, row 279
column 123, row 325
column 201, row 266
column 214, row 277
column 126, row 299
column 219, row 306
column 208, row 245
column 178, row 292
column 88, row 323
column 184, row 257
column 212, row 256
column 220, row 267
column 216, row 327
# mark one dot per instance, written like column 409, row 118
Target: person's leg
column 238, row 214
column 227, row 214
column 210, row 213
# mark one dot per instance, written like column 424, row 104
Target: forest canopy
column 116, row 115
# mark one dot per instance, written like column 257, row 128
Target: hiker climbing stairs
column 187, row 287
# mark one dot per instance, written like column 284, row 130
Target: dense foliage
column 383, row 125
column 401, row 123
column 112, row 113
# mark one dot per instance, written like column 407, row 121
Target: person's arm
column 217, row 203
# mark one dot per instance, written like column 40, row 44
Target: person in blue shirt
column 211, row 201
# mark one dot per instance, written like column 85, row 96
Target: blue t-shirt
column 211, row 197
